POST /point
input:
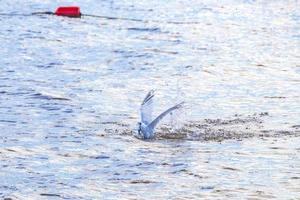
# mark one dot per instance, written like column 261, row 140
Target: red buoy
column 70, row 11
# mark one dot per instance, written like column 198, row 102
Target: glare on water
column 70, row 92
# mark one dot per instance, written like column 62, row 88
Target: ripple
column 71, row 91
column 141, row 182
column 50, row 195
column 145, row 29
column 49, row 97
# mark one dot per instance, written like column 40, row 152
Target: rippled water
column 70, row 91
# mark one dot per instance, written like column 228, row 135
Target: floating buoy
column 74, row 11
column 70, row 11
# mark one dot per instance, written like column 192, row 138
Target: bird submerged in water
column 147, row 126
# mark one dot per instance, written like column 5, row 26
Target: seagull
column 147, row 126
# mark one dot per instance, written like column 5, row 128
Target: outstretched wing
column 153, row 124
column 147, row 108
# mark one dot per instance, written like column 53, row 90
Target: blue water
column 69, row 87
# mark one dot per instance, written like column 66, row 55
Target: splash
column 238, row 127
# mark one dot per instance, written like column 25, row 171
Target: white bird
column 147, row 126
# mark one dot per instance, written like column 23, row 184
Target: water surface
column 70, row 87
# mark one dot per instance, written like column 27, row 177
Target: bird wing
column 162, row 115
column 147, row 108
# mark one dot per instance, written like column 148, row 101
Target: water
column 70, row 87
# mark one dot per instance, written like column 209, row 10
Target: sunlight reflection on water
column 64, row 82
